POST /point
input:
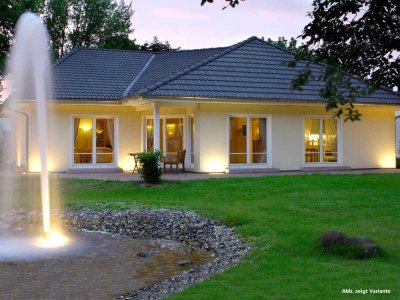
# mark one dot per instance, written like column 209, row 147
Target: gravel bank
column 186, row 227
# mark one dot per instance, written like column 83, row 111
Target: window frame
column 339, row 135
column 248, row 117
column 94, row 152
column 164, row 117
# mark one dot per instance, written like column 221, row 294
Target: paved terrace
column 195, row 176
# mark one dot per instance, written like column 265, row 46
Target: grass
column 282, row 218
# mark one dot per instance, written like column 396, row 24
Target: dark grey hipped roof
column 252, row 69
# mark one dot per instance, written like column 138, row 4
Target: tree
column 10, row 11
column 157, row 46
column 290, row 45
column 359, row 37
column 56, row 17
column 89, row 23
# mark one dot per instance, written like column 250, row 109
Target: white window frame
column 116, row 141
column 189, row 150
column 339, row 142
column 248, row 117
column 164, row 117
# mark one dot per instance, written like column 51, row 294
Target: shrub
column 150, row 169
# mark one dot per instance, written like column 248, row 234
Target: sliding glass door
column 93, row 141
column 247, row 140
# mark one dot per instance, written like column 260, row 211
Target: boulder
column 337, row 242
column 333, row 239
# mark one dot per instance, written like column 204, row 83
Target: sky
column 186, row 24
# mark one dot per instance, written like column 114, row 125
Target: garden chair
column 175, row 159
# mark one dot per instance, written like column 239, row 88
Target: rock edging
column 183, row 226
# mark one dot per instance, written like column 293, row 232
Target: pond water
column 96, row 266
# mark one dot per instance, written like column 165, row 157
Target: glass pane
column 149, row 134
column 311, row 141
column 237, row 141
column 83, row 139
column 174, row 135
column 104, row 141
column 330, row 140
column 258, row 140
column 162, row 134
column 191, row 140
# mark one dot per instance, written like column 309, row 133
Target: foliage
column 72, row 23
column 150, row 166
column 358, row 37
column 10, row 11
column 89, row 23
column 56, row 17
column 231, row 3
column 290, row 45
column 157, row 46
column 282, row 218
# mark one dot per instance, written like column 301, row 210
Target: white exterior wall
column 60, row 143
column 366, row 144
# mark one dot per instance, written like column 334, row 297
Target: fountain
column 29, row 71
column 134, row 251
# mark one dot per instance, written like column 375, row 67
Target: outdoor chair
column 175, row 159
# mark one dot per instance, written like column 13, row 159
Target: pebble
column 199, row 233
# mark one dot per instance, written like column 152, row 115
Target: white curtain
column 150, row 134
column 76, row 128
column 180, row 134
column 110, row 125
column 263, row 133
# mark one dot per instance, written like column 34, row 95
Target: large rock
column 337, row 242
column 333, row 239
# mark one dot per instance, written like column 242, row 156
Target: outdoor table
column 136, row 160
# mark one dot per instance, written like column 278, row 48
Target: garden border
column 187, row 227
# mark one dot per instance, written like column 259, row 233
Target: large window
column 247, row 140
column 321, row 140
column 171, row 135
column 93, row 141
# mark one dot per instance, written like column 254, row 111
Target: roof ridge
column 126, row 92
column 66, row 56
column 195, row 66
column 108, row 49
column 184, row 50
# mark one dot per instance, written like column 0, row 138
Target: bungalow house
column 231, row 108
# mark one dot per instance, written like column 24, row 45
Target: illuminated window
column 170, row 135
column 321, row 140
column 93, row 141
column 247, row 140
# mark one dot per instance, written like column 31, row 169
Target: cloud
column 177, row 13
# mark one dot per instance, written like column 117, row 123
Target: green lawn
column 281, row 217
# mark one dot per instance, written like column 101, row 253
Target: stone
column 185, row 262
column 357, row 247
column 367, row 245
column 331, row 239
column 225, row 246
column 143, row 254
